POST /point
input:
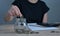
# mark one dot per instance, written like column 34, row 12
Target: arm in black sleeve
column 45, row 8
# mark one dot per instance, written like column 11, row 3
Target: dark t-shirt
column 33, row 12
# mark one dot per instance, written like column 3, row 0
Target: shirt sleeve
column 17, row 3
column 45, row 8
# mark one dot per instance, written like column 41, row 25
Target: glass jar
column 20, row 24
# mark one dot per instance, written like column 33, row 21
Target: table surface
column 8, row 30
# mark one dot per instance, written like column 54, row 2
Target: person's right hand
column 14, row 11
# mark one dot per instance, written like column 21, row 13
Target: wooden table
column 8, row 30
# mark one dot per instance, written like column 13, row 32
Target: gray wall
column 53, row 14
column 4, row 7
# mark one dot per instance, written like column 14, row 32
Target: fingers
column 11, row 12
column 17, row 11
column 14, row 11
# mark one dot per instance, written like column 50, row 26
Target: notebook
column 35, row 27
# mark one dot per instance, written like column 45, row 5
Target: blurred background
column 53, row 13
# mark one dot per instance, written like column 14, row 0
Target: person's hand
column 14, row 11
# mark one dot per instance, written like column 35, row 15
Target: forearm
column 8, row 18
column 45, row 18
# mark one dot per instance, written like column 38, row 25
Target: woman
column 35, row 11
